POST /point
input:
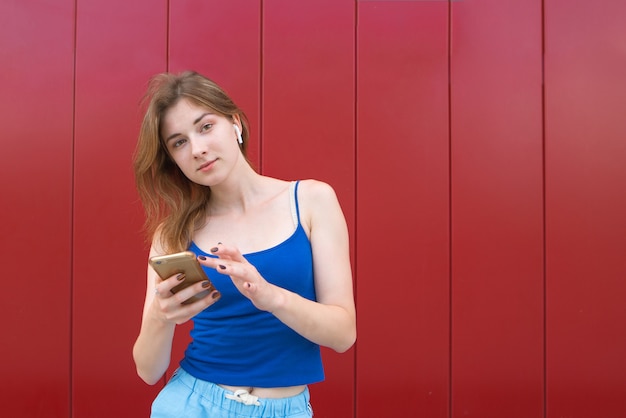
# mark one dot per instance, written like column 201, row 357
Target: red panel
column 585, row 208
column 35, row 182
column 403, row 209
column 120, row 44
column 308, row 128
column 497, row 209
column 221, row 40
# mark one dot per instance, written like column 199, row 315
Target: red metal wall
column 477, row 148
column 402, row 240
column 497, row 332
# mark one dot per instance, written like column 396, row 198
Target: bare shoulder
column 316, row 191
column 319, row 206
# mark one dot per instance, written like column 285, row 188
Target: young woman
column 276, row 251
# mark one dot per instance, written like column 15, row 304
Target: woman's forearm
column 330, row 326
column 153, row 348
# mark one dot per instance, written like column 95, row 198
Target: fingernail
column 201, row 257
column 223, row 267
column 216, row 295
column 214, row 249
column 206, row 283
column 219, row 243
column 180, row 277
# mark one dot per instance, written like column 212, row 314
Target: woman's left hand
column 244, row 275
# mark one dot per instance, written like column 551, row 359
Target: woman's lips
column 206, row 166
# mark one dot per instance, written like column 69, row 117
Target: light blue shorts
column 186, row 396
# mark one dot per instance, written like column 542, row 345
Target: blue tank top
column 234, row 343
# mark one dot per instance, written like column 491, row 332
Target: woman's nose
column 198, row 146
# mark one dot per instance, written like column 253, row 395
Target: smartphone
column 183, row 262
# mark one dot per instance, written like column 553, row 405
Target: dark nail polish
column 219, row 243
column 222, row 266
column 216, row 295
column 180, row 277
column 201, row 257
column 214, row 249
column 206, row 283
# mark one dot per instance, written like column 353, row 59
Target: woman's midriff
column 271, row 393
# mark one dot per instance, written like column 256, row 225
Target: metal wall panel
column 220, row 40
column 119, row 46
column 585, row 63
column 308, row 129
column 402, row 210
column 497, row 209
column 36, row 194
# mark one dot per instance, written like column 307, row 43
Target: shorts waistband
column 225, row 399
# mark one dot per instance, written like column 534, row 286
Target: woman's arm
column 331, row 321
column 161, row 313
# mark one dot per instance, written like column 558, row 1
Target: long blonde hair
column 174, row 205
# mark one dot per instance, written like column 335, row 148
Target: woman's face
column 202, row 143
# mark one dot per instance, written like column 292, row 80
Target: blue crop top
column 234, row 343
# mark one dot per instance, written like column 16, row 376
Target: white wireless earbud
column 238, row 131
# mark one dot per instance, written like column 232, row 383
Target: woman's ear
column 238, row 128
column 238, row 133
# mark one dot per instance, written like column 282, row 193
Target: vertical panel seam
column 543, row 177
column 356, row 179
column 261, row 78
column 72, row 214
column 168, row 5
column 450, row 299
column 167, row 34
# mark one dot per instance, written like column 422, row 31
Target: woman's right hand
column 163, row 310
column 169, row 306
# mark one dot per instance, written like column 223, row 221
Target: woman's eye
column 206, row 127
column 179, row 142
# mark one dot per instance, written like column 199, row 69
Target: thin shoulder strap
column 295, row 208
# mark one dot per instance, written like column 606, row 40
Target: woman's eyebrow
column 201, row 116
column 194, row 122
